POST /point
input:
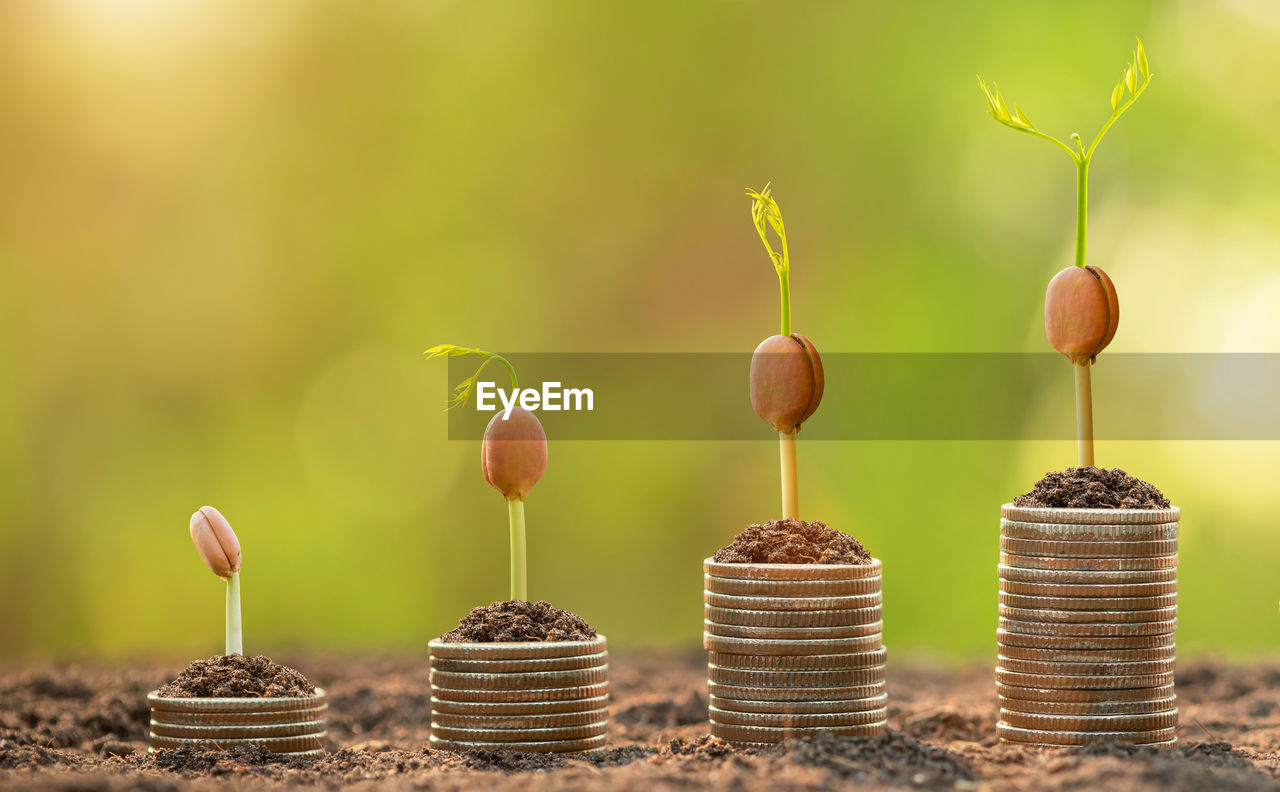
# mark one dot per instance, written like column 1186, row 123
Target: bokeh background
column 228, row 230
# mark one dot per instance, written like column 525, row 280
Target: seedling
column 218, row 546
column 786, row 372
column 513, row 455
column 1081, row 310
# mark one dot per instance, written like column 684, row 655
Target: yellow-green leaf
column 1130, row 80
column 1001, row 108
column 1143, row 66
column 1117, row 95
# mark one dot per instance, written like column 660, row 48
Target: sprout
column 218, row 546
column 786, row 372
column 1081, row 309
column 513, row 456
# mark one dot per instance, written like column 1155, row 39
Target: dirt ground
column 84, row 728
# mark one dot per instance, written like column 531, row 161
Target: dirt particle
column 237, row 676
column 1092, row 488
column 516, row 620
column 793, row 542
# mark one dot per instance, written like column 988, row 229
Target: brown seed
column 1087, row 707
column 1163, row 628
column 1087, row 577
column 1068, row 516
column 793, row 618
column 1060, row 682
column 765, row 646
column 504, row 708
column 513, row 696
column 582, row 677
column 1084, row 695
column 790, row 721
column 1039, row 737
column 798, row 662
column 1081, row 312
column 792, row 571
column 866, row 704
column 761, row 734
column 517, row 650
column 1088, row 603
column 1128, row 564
column 1089, row 590
column 1052, row 640
column 1089, row 616
column 786, row 381
column 215, row 541
column 1062, row 532
column 855, row 602
column 1166, row 719
column 783, row 679
column 1087, row 668
column 553, row 746
column 754, row 693
column 786, row 633
column 743, row 587
column 1039, row 547
column 1088, row 655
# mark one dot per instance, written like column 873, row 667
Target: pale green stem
column 790, row 482
column 1082, row 207
column 784, row 283
column 519, row 579
column 1084, row 415
column 235, row 634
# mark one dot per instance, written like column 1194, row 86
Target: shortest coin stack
column 289, row 726
column 547, row 697
column 1088, row 603
column 793, row 649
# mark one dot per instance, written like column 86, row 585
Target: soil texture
column 516, row 620
column 793, row 542
column 237, row 676
column 84, row 728
column 1092, row 488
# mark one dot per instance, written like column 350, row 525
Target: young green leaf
column 1130, row 81
column 1142, row 61
column 462, row 392
column 1117, row 95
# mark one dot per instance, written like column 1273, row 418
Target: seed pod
column 215, row 541
column 513, row 454
column 1081, row 312
column 786, row 381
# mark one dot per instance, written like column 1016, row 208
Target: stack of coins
column 1088, row 603
column 548, row 697
column 290, row 726
column 793, row 649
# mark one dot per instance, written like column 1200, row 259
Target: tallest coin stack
column 1088, row 603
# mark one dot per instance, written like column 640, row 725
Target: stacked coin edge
column 533, row 696
column 793, row 650
column 294, row 726
column 1086, row 649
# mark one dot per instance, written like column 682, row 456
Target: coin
column 515, row 681
column 804, row 721
column 783, row 633
column 764, row 646
column 1088, row 707
column 1089, row 589
column 1053, row 640
column 1086, row 576
column 852, row 602
column 1090, row 516
column 301, row 742
column 1089, row 617
column 1094, row 668
column 1088, row 603
column 519, row 735
column 792, row 571
column 1062, row 682
column 759, row 693
column 553, row 746
column 763, row 734
column 1075, row 549
column 798, row 662
column 554, row 721
column 790, row 588
column 1081, row 696
column 1087, row 629
column 508, row 696
column 236, row 732
column 1088, row 655
column 522, row 665
column 867, row 703
column 240, row 718
column 1088, row 533
column 1015, row 734
column 1091, row 723
column 280, row 704
column 533, row 707
column 792, row 618
column 747, row 678
column 520, row 650
column 1089, row 564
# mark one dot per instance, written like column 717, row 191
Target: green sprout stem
column 519, row 573
column 1082, row 207
column 235, row 634
column 463, row 390
column 766, row 214
column 790, row 485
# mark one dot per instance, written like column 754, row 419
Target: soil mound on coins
column 516, row 620
column 237, row 676
column 1092, row 488
column 793, row 542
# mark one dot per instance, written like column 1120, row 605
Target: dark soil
column 793, row 542
column 74, row 728
column 516, row 620
column 237, row 676
column 1092, row 488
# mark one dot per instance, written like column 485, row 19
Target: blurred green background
column 228, row 230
